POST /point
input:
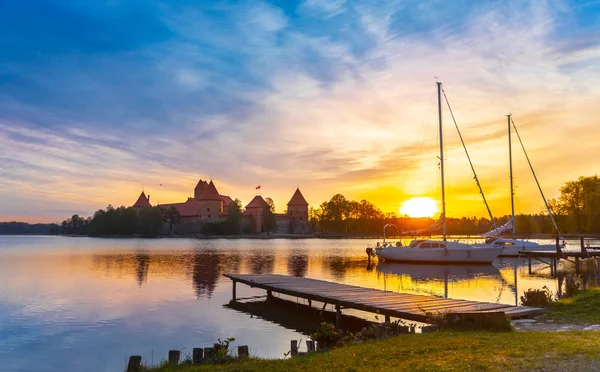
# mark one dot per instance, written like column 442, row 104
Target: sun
column 419, row 207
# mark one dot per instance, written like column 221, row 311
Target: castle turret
column 142, row 201
column 298, row 213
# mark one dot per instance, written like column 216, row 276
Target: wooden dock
column 387, row 303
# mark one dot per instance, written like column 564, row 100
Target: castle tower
column 199, row 189
column 256, row 208
column 142, row 201
column 298, row 214
column 211, row 203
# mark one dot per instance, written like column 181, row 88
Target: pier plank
column 400, row 305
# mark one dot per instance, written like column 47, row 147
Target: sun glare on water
column 419, row 207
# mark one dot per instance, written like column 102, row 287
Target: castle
column 208, row 205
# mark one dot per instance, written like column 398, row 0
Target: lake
column 74, row 304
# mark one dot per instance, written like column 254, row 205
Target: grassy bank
column 512, row 351
column 583, row 308
column 446, row 351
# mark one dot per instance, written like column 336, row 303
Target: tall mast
column 512, row 191
column 439, row 94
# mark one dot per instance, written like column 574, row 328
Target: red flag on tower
column 257, row 187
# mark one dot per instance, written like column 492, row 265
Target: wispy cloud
column 332, row 95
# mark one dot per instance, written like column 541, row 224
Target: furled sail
column 435, row 226
column 507, row 226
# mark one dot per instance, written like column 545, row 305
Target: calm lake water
column 75, row 304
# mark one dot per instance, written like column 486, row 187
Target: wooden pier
column 387, row 303
column 551, row 258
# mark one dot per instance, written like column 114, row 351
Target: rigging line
column 470, row 163
column 536, row 179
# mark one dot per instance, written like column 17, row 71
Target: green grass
column 583, row 308
column 443, row 351
column 457, row 351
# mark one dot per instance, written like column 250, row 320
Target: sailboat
column 512, row 246
column 438, row 251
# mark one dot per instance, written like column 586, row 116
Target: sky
column 101, row 99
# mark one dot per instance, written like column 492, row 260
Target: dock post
column 529, row 265
column 309, row 303
column 233, row 294
column 197, row 355
column 135, row 363
column 294, row 347
column 310, row 346
column 387, row 319
column 338, row 316
column 174, row 357
column 243, row 351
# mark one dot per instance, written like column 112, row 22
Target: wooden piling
column 174, row 357
column 243, row 351
column 197, row 355
column 338, row 316
column 310, row 346
column 233, row 294
column 529, row 265
column 294, row 347
column 209, row 353
column 387, row 319
column 135, row 363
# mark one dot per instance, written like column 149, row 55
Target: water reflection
column 261, row 261
column 110, row 298
column 297, row 264
column 205, row 274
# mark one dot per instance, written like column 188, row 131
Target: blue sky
column 99, row 99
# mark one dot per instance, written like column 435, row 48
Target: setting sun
column 419, row 207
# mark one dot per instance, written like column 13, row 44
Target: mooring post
column 338, row 316
column 309, row 303
column 233, row 294
column 174, row 357
column 529, row 265
column 294, row 347
column 209, row 353
column 243, row 351
column 197, row 355
column 135, row 363
column 387, row 318
column 310, row 346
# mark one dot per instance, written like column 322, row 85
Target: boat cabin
column 426, row 244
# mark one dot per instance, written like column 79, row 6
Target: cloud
column 332, row 95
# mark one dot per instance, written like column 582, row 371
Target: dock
column 551, row 258
column 389, row 304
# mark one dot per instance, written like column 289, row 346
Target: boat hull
column 517, row 246
column 459, row 254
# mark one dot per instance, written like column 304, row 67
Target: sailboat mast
column 439, row 94
column 512, row 191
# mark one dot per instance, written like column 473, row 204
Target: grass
column 583, row 308
column 443, row 351
column 457, row 351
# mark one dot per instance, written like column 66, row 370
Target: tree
column 172, row 217
column 234, row 217
column 150, row 221
column 269, row 219
column 580, row 201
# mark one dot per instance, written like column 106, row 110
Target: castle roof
column 201, row 185
column 298, row 199
column 142, row 201
column 226, row 200
column 257, row 202
column 210, row 192
column 189, row 208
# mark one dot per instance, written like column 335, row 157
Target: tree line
column 576, row 211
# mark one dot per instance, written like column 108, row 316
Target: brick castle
column 208, row 205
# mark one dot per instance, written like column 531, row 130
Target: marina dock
column 387, row 303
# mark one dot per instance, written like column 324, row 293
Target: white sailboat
column 512, row 246
column 438, row 251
